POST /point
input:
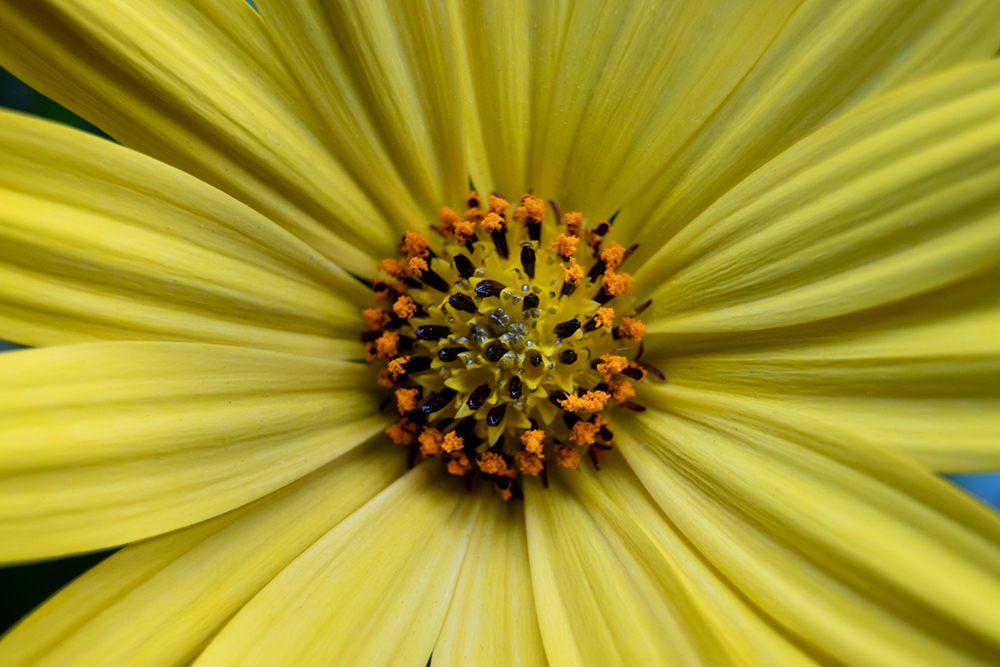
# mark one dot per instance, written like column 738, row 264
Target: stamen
column 438, row 401
column 464, row 265
column 527, row 260
column 567, row 328
column 431, row 332
column 487, row 288
column 463, row 303
column 450, row 353
column 478, row 396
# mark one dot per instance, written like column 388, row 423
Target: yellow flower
column 816, row 190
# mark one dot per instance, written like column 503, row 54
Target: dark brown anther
column 438, row 401
column 464, row 265
column 567, row 328
column 535, row 231
column 474, row 201
column 592, row 452
column 616, row 333
column 499, row 237
column 557, row 396
column 603, row 296
column 465, row 427
column 650, row 368
column 432, row 279
column 411, row 456
column 385, row 403
column 555, row 210
column 606, row 434
column 405, row 343
column 462, row 302
column 514, row 388
column 535, row 359
column 591, row 325
column 528, row 259
column 417, row 365
column 597, row 269
column 485, row 288
column 530, row 301
column 503, row 482
column 478, row 396
column 496, row 415
column 634, row 373
column 567, row 357
column 603, row 229
column 545, row 475
column 645, row 304
column 450, row 353
column 370, row 336
column 629, row 251
column 431, row 332
column 634, row 407
column 567, row 289
column 570, row 419
column 494, row 351
column 413, row 284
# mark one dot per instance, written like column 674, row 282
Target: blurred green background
column 23, row 587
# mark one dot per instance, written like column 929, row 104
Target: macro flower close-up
column 503, row 332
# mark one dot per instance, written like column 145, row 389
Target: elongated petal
column 864, row 556
column 922, row 377
column 157, row 603
column 199, row 86
column 107, row 443
column 492, row 620
column 897, row 199
column 828, row 57
column 100, row 242
column 386, row 72
column 373, row 591
column 605, row 594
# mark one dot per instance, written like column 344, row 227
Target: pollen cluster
column 506, row 350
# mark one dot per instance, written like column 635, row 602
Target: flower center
column 508, row 348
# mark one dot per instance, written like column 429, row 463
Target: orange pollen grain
column 386, row 378
column 592, row 401
column 464, row 231
column 613, row 255
column 567, row 456
column 572, row 275
column 631, row 328
column 604, row 316
column 394, row 268
column 376, row 318
column 532, row 441
column 474, row 215
column 617, row 283
column 492, row 464
column 532, row 209
column 584, row 433
column 415, row 244
column 387, row 345
column 448, row 218
column 459, row 464
column 452, row 442
column 611, row 364
column 529, row 464
column 492, row 222
column 402, row 431
column 565, row 245
column 430, row 440
column 621, row 388
column 398, row 366
column 404, row 307
column 505, row 493
column 498, row 205
column 406, row 400
column 574, row 223
column 416, row 265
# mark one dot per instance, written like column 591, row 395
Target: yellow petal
column 605, row 594
column 106, row 443
column 158, row 602
column 612, row 105
column 747, row 635
column 921, row 378
column 899, row 198
column 492, row 620
column 100, row 242
column 386, row 74
column 828, row 57
column 199, row 86
column 867, row 557
column 373, row 591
